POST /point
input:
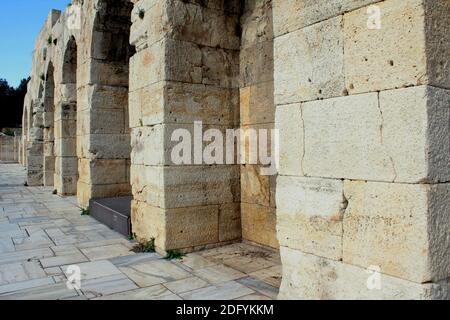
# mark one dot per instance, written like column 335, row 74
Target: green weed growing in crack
column 145, row 247
column 174, row 255
column 85, row 212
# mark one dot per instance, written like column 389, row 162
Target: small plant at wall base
column 174, row 255
column 145, row 247
column 55, row 192
column 85, row 212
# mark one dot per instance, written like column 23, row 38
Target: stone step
column 113, row 212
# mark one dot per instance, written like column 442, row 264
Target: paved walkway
column 42, row 234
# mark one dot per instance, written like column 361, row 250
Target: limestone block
column 416, row 132
column 66, row 129
column 102, row 97
column 309, row 215
column 289, row 122
column 66, row 147
column 66, row 111
column 309, row 63
column 200, row 185
column 259, row 224
column 220, row 67
column 104, row 146
column 182, row 233
column 147, row 66
column 380, row 59
column 34, row 177
column 256, row 63
column 68, row 93
column 186, row 103
column 102, row 72
column 291, row 15
column 230, row 222
column 101, row 171
column 66, row 165
column 256, row 22
column 102, row 121
column 255, row 188
column 147, row 105
column 353, row 137
column 185, row 186
column 181, row 20
column 172, row 228
column 402, row 228
column 257, row 104
column 437, row 20
column 148, row 222
column 147, row 184
column 153, row 146
column 49, row 164
column 309, row 277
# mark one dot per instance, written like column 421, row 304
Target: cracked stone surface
column 41, row 234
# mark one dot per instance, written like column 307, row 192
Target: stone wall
column 363, row 114
column 186, row 69
column 8, row 148
column 364, row 168
column 257, row 111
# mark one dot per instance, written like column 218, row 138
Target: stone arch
column 65, row 122
column 104, row 122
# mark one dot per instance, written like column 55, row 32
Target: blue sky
column 20, row 23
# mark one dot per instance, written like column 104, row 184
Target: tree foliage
column 11, row 103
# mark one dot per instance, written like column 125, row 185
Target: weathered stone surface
column 307, row 276
column 256, row 22
column 256, row 188
column 181, row 20
column 309, row 215
column 256, row 63
column 257, row 104
column 259, row 224
column 309, row 63
column 185, row 186
column 385, row 59
column 399, row 228
column 290, row 15
column 375, row 140
column 104, row 171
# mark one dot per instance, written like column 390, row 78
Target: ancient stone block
column 309, row 215
column 256, row 22
column 181, row 20
column 256, row 63
column 103, row 171
column 230, row 222
column 399, row 228
column 289, row 122
column 309, row 63
column 416, row 132
column 104, row 146
column 259, row 224
column 380, row 59
column 185, row 186
column 255, row 188
column 354, row 137
column 309, row 277
column 291, row 15
column 257, row 104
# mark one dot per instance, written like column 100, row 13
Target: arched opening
column 49, row 136
column 105, row 181
column 66, row 168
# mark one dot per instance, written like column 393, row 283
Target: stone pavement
column 42, row 234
